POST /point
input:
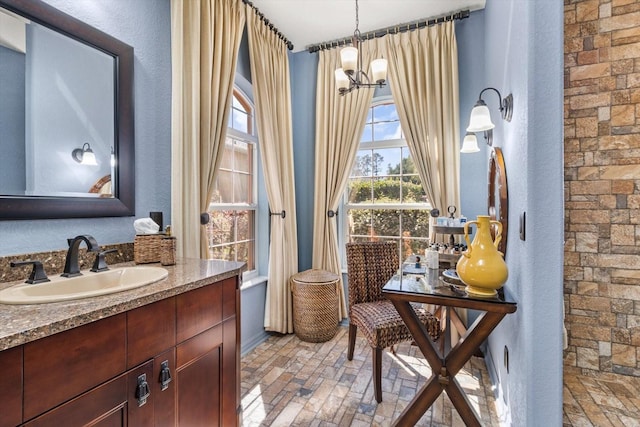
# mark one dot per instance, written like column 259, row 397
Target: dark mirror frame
column 123, row 202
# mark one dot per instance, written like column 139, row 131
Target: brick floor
column 288, row 382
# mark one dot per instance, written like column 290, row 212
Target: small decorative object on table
column 481, row 267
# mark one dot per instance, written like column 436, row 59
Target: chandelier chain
column 357, row 20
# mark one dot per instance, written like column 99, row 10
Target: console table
column 401, row 291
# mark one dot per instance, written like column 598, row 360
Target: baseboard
column 253, row 342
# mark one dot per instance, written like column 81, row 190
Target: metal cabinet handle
column 165, row 375
column 142, row 390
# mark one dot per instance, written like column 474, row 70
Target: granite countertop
column 20, row 324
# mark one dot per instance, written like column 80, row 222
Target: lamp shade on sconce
column 84, row 155
column 470, row 143
column 480, row 119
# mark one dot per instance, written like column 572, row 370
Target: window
column 232, row 230
column 384, row 198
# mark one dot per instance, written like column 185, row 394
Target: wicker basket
column 315, row 305
column 168, row 251
column 147, row 248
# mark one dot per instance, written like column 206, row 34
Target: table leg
column 444, row 370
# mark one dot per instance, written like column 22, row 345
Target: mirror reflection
column 57, row 104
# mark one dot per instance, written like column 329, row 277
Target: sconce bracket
column 507, row 108
column 488, row 137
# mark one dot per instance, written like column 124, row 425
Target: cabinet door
column 198, row 379
column 11, row 387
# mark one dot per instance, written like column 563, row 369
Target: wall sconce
column 480, row 120
column 84, row 155
column 470, row 143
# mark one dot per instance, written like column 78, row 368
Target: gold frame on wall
column 498, row 196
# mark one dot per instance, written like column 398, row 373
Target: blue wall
column 304, row 71
column 523, row 47
column 145, row 25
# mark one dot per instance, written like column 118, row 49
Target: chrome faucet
column 71, row 267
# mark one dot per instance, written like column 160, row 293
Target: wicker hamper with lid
column 315, row 305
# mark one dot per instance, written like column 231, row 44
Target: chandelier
column 351, row 76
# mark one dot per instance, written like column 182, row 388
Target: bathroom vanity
column 165, row 354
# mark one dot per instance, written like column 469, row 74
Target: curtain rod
column 270, row 25
column 401, row 28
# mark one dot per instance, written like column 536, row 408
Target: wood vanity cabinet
column 183, row 350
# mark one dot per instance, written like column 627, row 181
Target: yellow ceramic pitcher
column 481, row 267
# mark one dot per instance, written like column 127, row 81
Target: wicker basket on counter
column 147, row 248
column 168, row 251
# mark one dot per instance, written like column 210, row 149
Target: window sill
column 254, row 281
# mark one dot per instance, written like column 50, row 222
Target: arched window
column 384, row 198
column 231, row 231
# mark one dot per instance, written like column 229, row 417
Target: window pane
column 240, row 121
column 244, row 253
column 244, row 225
column 224, row 252
column 387, row 161
column 241, row 188
column 360, row 222
column 223, row 192
column 386, row 190
column 367, row 134
column 385, row 222
column 221, row 228
column 360, row 191
column 227, row 155
column 412, row 191
column 386, row 131
column 363, row 165
column 243, row 157
column 415, row 223
column 385, row 112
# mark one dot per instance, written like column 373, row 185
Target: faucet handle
column 37, row 274
column 100, row 264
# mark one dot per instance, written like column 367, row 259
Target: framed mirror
column 66, row 117
column 498, row 202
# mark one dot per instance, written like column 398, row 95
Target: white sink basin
column 88, row 285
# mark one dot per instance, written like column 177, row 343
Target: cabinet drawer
column 198, row 310
column 150, row 330
column 64, row 365
column 11, row 387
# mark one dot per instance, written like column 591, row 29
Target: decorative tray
column 451, row 277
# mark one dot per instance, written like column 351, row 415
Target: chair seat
column 383, row 327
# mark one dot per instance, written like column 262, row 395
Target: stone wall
column 602, row 185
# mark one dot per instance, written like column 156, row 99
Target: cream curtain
column 423, row 75
column 339, row 124
column 205, row 36
column 270, row 76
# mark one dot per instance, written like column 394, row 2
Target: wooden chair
column 369, row 266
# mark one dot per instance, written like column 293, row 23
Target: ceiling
column 309, row 22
